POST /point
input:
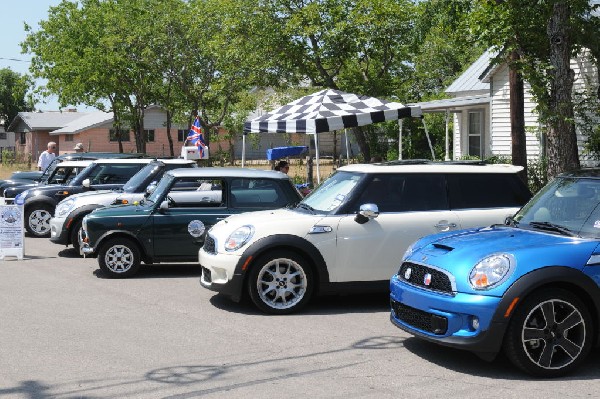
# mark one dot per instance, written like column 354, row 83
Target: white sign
column 11, row 231
column 193, row 152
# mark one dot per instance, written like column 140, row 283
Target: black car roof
column 585, row 172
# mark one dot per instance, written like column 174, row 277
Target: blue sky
column 14, row 14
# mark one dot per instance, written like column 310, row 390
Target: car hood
column 100, row 197
column 268, row 222
column 459, row 252
column 120, row 211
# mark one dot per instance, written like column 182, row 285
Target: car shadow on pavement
column 500, row 368
column 69, row 253
column 163, row 270
column 322, row 305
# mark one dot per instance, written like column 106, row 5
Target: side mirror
column 164, row 206
column 150, row 189
column 366, row 213
column 86, row 183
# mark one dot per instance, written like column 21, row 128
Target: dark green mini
column 170, row 224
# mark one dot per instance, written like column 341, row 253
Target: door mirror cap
column 164, row 205
column 366, row 213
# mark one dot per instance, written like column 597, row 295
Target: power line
column 14, row 59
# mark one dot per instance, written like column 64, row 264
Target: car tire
column 550, row 334
column 119, row 258
column 74, row 234
column 280, row 282
column 37, row 220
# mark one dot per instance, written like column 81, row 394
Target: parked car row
column 469, row 259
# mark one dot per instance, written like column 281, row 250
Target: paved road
column 67, row 332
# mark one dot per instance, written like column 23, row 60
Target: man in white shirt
column 47, row 156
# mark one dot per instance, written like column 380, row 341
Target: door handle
column 445, row 225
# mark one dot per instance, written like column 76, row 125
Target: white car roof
column 216, row 172
column 431, row 167
column 135, row 161
column 74, row 163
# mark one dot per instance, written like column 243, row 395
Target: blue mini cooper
column 529, row 287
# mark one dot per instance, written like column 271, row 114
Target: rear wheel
column 37, row 220
column 119, row 257
column 550, row 334
column 280, row 282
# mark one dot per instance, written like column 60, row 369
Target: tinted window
column 256, row 193
column 405, row 193
column 486, row 190
column 113, row 174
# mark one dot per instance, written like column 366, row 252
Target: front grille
column 210, row 245
column 419, row 319
column 425, row 277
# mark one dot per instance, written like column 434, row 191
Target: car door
column 194, row 205
column 411, row 206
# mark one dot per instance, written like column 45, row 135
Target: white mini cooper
column 350, row 233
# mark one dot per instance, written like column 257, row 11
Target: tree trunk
column 363, row 145
column 169, row 137
column 517, row 115
column 562, row 139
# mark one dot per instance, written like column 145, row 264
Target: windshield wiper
column 553, row 227
column 307, row 207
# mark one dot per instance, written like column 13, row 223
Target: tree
column 547, row 35
column 13, row 93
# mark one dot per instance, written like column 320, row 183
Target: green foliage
column 537, row 174
column 13, row 95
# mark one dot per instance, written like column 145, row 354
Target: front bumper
column 58, row 232
column 222, row 273
column 461, row 320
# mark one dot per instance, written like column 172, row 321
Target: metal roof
column 451, row 104
column 84, row 122
column 44, row 120
column 216, row 172
column 469, row 80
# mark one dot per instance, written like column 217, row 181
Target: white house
column 480, row 110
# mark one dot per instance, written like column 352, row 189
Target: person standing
column 47, row 156
column 79, row 147
column 283, row 166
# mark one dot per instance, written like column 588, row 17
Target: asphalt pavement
column 66, row 331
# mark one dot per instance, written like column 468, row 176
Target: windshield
column 62, row 174
column 332, row 193
column 48, row 171
column 140, row 178
column 568, row 206
column 161, row 188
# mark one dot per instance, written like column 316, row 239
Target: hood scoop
column 441, row 248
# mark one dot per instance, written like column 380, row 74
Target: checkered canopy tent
column 326, row 111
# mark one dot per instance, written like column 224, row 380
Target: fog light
column 474, row 323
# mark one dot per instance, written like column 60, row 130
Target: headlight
column 491, row 271
column 239, row 238
column 64, row 207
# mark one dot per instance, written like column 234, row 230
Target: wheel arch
column 285, row 242
column 567, row 278
column 78, row 214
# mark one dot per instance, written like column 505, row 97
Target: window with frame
column 486, row 190
column 181, row 135
column 114, row 173
column 475, row 133
column 122, row 133
column 22, row 138
column 149, row 133
column 68, row 137
column 3, row 136
column 256, row 194
column 194, row 192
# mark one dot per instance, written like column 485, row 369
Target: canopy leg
column 428, row 140
column 243, row 149
column 317, row 152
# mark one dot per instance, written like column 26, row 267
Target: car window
column 193, row 192
column 256, row 193
column 486, row 190
column 405, row 193
column 113, row 174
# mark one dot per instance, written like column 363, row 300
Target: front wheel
column 280, row 282
column 550, row 334
column 75, row 235
column 119, row 258
column 37, row 220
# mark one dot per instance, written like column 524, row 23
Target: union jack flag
column 196, row 137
